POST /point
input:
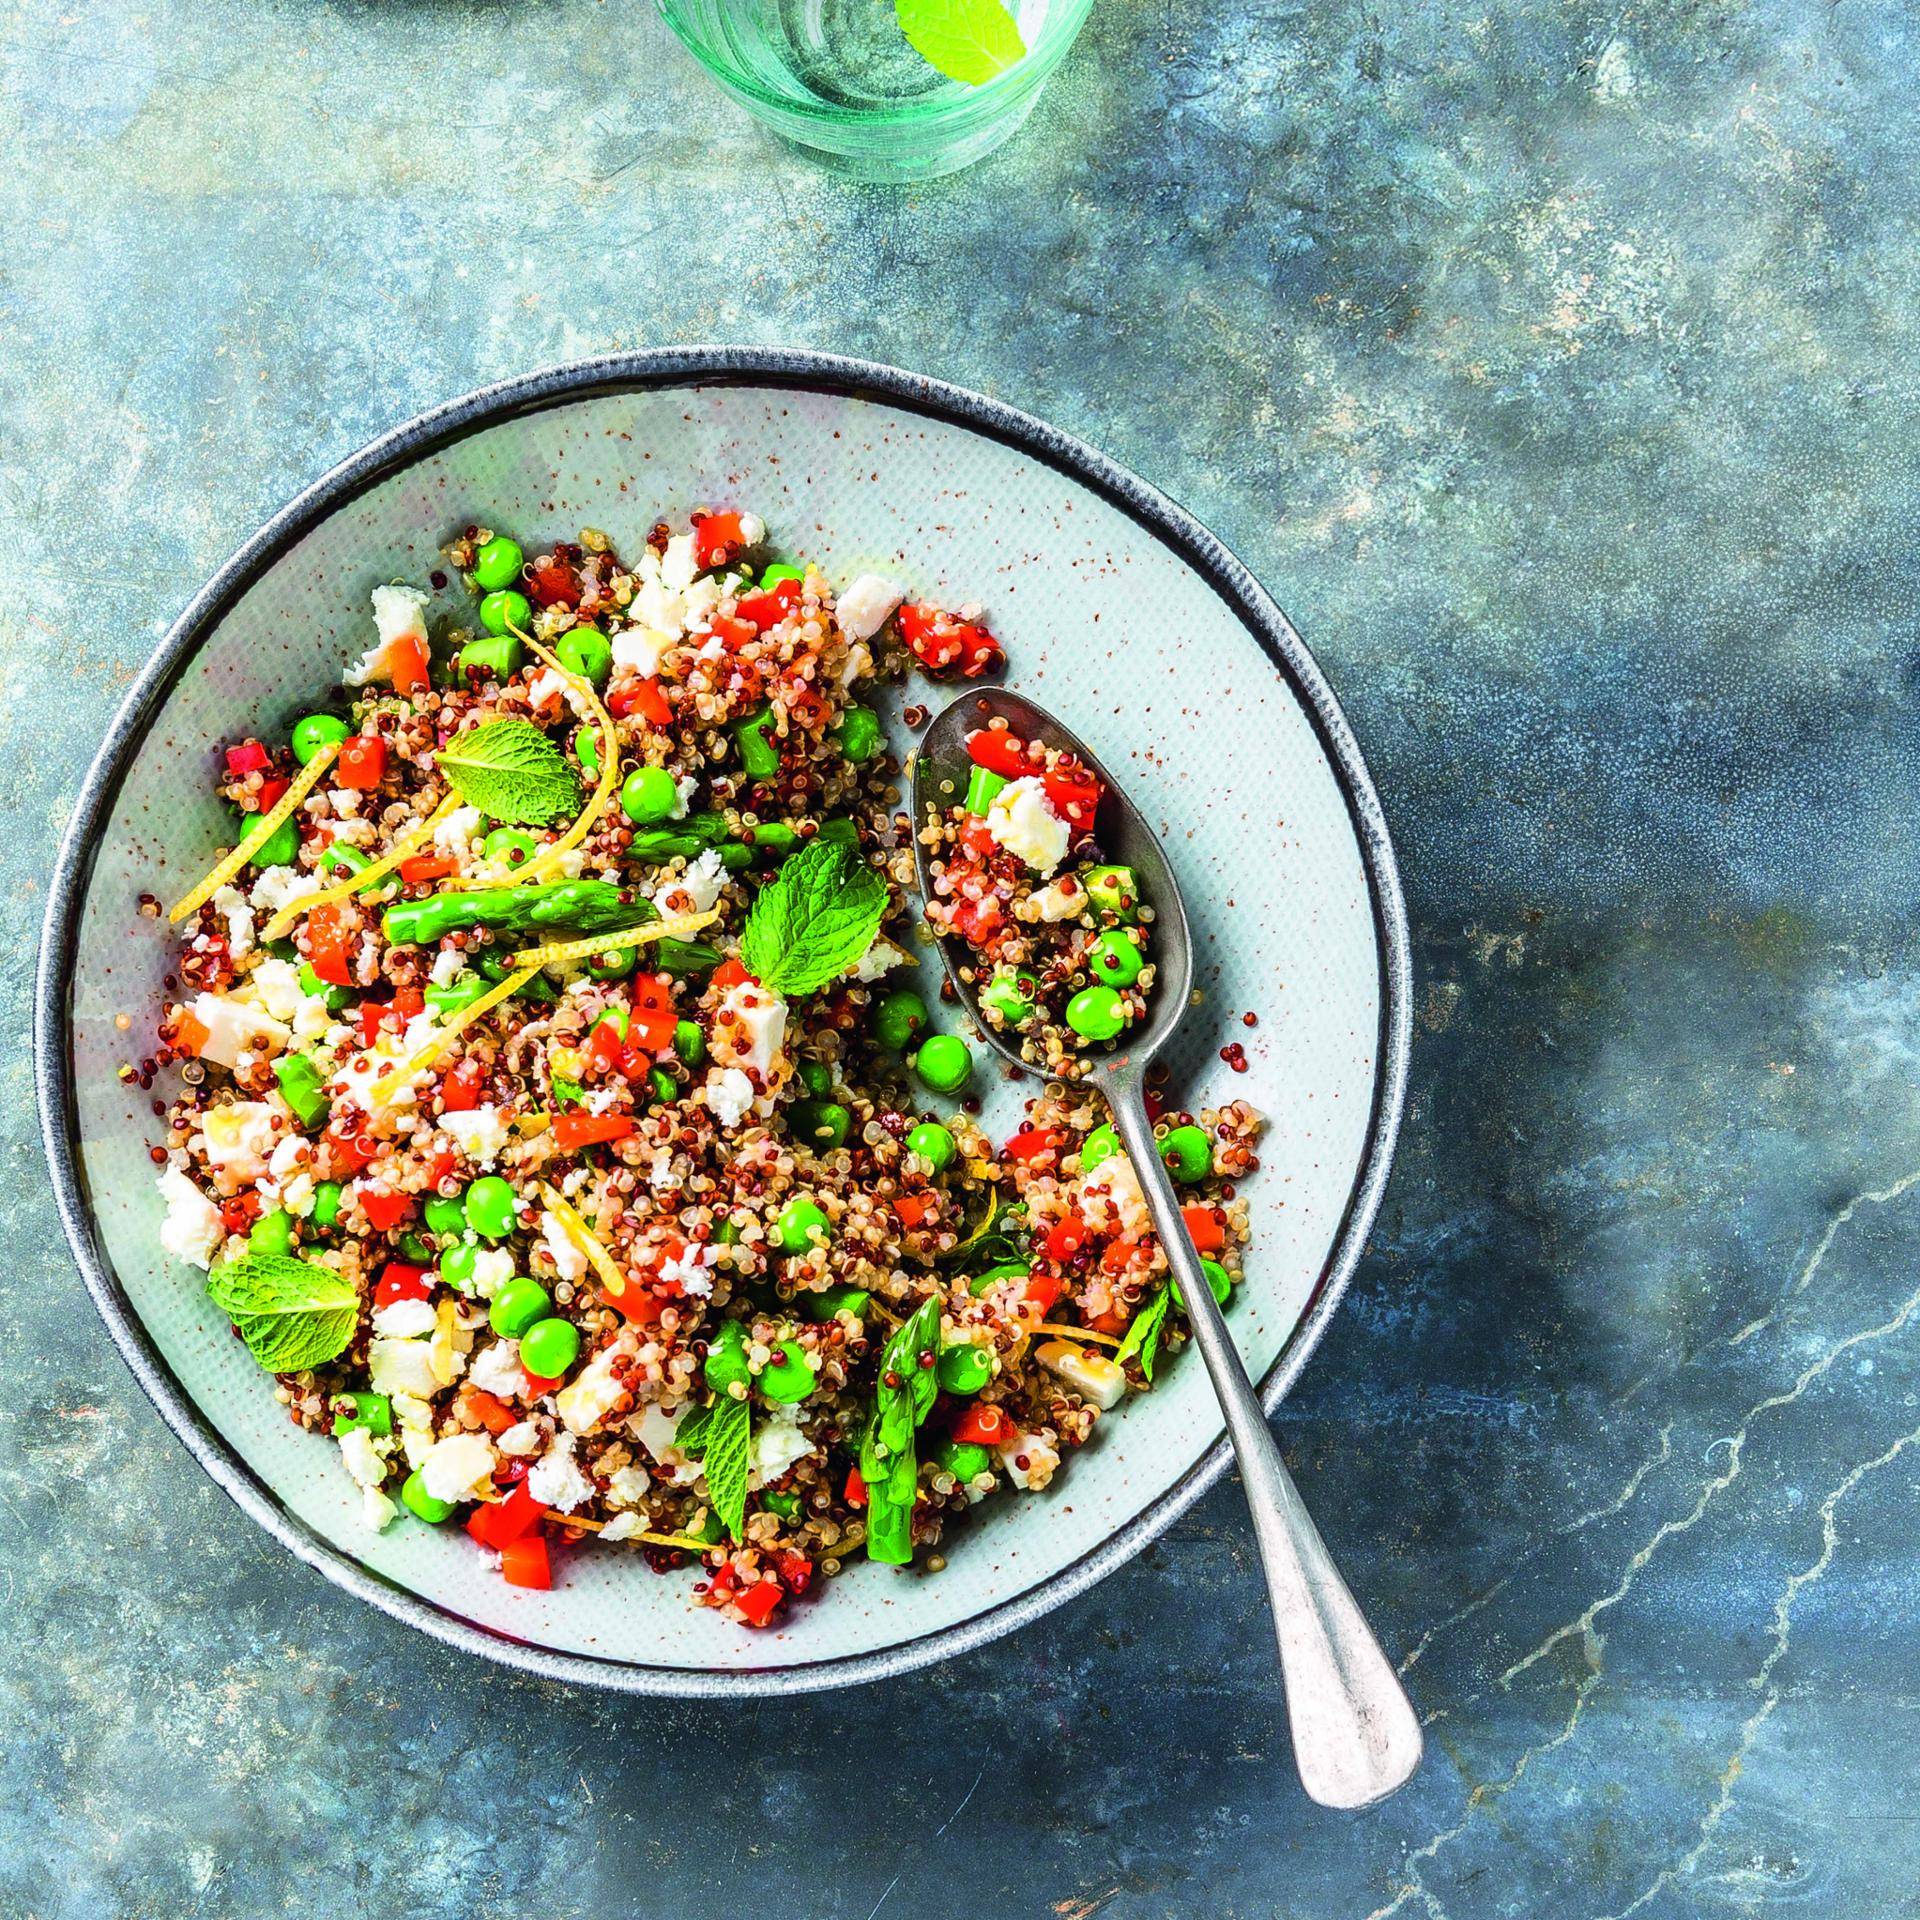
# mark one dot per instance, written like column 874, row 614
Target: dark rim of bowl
column 706, row 366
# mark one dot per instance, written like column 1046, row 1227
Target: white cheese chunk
column 234, row 1028
column 585, row 1401
column 458, row 1467
column 497, row 1370
column 480, row 1133
column 401, row 1366
column 191, row 1231
column 867, row 605
column 556, row 1481
column 1091, row 1375
column 729, row 1093
column 1022, row 820
column 240, row 1138
column 232, row 906
column 404, row 1319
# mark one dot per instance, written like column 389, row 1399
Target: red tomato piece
column 399, row 1281
column 758, row 1601
column 717, row 537
column 983, row 1427
column 524, row 1562
column 362, row 763
column 768, row 609
column 572, row 1131
column 386, row 1210
column 1066, row 1237
column 1043, row 1289
column 999, row 752
column 1031, row 1143
column 502, row 1522
column 460, row 1089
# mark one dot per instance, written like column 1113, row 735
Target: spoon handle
column 1356, row 1737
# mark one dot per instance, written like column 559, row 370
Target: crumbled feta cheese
column 458, row 831
column 1022, row 820
column 281, row 886
column 856, row 663
column 376, row 1510
column 752, row 529
column 585, row 1401
column 777, row 1444
column 1064, row 900
column 497, row 1370
column 297, row 1195
column 232, row 906
column 191, row 1231
column 1092, row 1375
column 677, row 565
column 404, row 1319
column 362, row 1457
column 457, row 1467
column 401, row 1366
column 684, row 788
column 492, row 1269
column 447, row 967
column 882, row 957
column 750, row 1031
column 691, row 1271
column 397, row 615
column 285, row 1158
column 654, row 1429
column 1029, row 1460
column 234, row 1028
column 867, row 605
column 480, row 1133
column 546, row 685
column 623, row 1526
column 729, row 1093
column 568, row 1260
column 276, row 985
column 520, row 1440
column 695, row 890
column 642, row 649
column 556, row 1481
column 240, row 1137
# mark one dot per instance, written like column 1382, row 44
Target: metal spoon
column 1356, row 1737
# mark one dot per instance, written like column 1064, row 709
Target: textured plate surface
column 1116, row 610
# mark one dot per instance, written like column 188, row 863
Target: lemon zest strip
column 383, row 1091
column 276, row 928
column 584, row 1237
column 1073, row 1333
column 257, row 836
column 671, row 929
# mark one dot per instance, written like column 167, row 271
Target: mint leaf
column 690, row 1436
column 1143, row 1332
column 816, row 918
column 727, row 1450
column 292, row 1314
column 511, row 770
column 967, row 40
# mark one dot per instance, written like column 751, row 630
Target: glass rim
column 1062, row 27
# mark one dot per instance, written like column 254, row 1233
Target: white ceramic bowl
column 1136, row 626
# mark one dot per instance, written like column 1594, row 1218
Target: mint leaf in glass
column 511, row 770
column 292, row 1314
column 968, row 40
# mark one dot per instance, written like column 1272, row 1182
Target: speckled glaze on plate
column 1117, row 610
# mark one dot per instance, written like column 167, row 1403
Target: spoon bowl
column 1356, row 1737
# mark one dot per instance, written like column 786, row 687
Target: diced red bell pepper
column 717, row 538
column 940, row 642
column 795, row 1569
column 248, row 758
column 856, row 1490
column 732, row 634
column 976, row 838
column 399, row 1281
column 999, row 752
column 912, row 1209
column 758, row 1601
column 1066, row 1237
column 1113, row 1321
column 768, row 609
column 386, row 1210
column 553, row 585
column 652, row 993
column 1030, row 1144
column 638, row 1306
column 572, row 1131
column 189, row 1032
column 1119, row 1256
column 349, row 1152
column 730, row 973
column 604, row 1047
column 1074, row 795
column 489, row 1409
column 420, row 867
column 239, row 1213
column 460, row 1088
column 330, row 944
column 647, row 698
column 538, row 1384
column 525, row 1563
column 409, row 1001
column 371, row 1015
column 1042, row 1290
column 407, row 663
column 271, row 793
column 1204, row 1229
column 363, row 762
column 983, row 1427
column 502, row 1522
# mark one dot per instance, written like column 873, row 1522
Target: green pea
column 899, row 1019
column 963, row 1459
column 445, row 1216
column 1007, row 1270
column 834, row 1299
column 326, row 1204
column 1188, row 1154
column 333, row 998
column 816, row 1076
column 787, row 1380
column 300, row 1082
column 414, row 1248
column 821, row 1124
column 1096, row 1013
column 786, row 1505
column 649, row 795
column 859, row 735
column 490, row 1207
column 549, row 1347
column 965, row 1369
column 510, row 846
column 1115, row 957
column 281, row 848
column 338, row 857
column 781, row 571
column 315, row 733
column 689, row 1042
column 800, row 1222
column 1113, row 889
column 586, row 743
column 1101, row 1144
column 1219, row 1283
column 759, row 756
column 982, row 784
column 523, row 1302
column 501, row 610
column 726, row 1357
column 499, row 656
column 497, row 564
column 1011, row 996
column 613, row 963
column 457, row 1264
column 666, row 1089
column 374, row 1411
column 944, row 1063
column 586, row 651
column 933, row 1144
column 271, row 1233
column 421, row 1504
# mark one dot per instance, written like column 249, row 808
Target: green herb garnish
column 726, row 1452
column 1143, row 1332
column 888, row 1465
column 511, row 770
column 816, row 918
column 967, row 40
column 292, row 1314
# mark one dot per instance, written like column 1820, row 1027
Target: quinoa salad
column 554, row 1119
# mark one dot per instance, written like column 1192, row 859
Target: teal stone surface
column 1555, row 367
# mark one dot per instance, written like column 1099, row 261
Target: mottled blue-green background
column 1554, row 364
